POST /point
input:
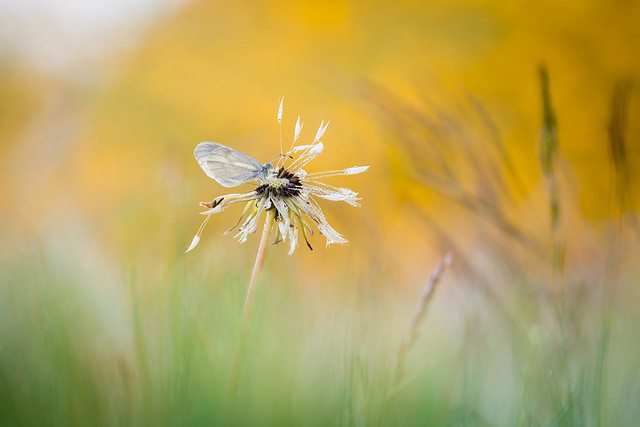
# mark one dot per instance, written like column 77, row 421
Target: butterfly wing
column 227, row 166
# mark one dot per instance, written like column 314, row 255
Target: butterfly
column 227, row 166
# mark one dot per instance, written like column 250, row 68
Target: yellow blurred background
column 106, row 321
column 101, row 107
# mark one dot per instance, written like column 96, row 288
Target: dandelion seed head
column 289, row 190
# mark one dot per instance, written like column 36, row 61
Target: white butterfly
column 228, row 166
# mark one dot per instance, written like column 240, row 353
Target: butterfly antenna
column 280, row 125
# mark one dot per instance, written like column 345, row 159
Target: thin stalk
column 617, row 206
column 427, row 295
column 257, row 267
column 246, row 312
column 414, row 332
column 548, row 146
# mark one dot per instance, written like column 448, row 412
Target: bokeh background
column 105, row 320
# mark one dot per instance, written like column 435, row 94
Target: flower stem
column 246, row 312
column 257, row 267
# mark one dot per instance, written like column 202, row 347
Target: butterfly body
column 227, row 166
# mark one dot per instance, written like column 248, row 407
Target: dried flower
column 288, row 189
